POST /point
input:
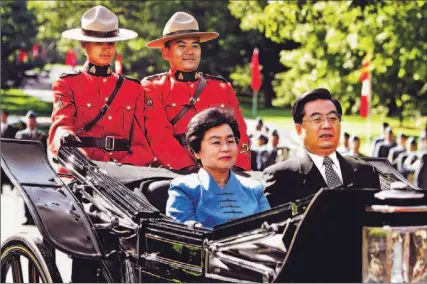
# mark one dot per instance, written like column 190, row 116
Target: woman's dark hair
column 316, row 94
column 205, row 120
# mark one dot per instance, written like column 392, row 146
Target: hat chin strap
column 91, row 33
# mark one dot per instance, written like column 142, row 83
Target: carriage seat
column 156, row 192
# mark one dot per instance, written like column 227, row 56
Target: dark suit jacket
column 25, row 135
column 9, row 131
column 382, row 149
column 420, row 178
column 299, row 177
column 395, row 152
column 375, row 141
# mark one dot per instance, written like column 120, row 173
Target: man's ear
column 165, row 53
column 298, row 128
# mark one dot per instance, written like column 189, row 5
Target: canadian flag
column 256, row 74
column 365, row 77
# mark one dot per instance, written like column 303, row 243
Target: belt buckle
column 192, row 100
column 109, row 143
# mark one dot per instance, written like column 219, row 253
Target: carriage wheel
column 27, row 260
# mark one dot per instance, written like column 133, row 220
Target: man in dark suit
column 383, row 148
column 31, row 133
column 398, row 149
column 7, row 131
column 317, row 118
column 354, row 148
column 379, row 139
column 420, row 176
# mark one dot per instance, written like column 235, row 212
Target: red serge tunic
column 78, row 99
column 166, row 96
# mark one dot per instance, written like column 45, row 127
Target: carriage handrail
column 117, row 194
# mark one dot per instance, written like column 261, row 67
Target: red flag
column 22, row 56
column 118, row 64
column 35, row 51
column 256, row 74
column 70, row 58
column 365, row 77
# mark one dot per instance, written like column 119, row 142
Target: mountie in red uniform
column 120, row 133
column 166, row 95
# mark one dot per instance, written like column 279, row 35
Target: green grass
column 16, row 102
column 353, row 124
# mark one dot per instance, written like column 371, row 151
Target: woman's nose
column 225, row 146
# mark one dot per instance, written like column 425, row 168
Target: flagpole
column 254, row 103
column 368, row 122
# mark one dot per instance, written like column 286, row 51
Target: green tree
column 18, row 31
column 228, row 56
column 332, row 38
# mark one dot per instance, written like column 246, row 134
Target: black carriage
column 114, row 215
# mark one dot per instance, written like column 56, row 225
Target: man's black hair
column 316, row 94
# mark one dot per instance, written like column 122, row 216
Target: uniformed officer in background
column 174, row 97
column 96, row 109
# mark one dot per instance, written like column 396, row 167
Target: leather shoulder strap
column 193, row 99
column 104, row 109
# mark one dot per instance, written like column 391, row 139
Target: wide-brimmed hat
column 181, row 25
column 99, row 25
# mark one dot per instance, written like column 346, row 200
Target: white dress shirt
column 318, row 161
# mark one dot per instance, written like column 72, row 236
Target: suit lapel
column 348, row 170
column 312, row 178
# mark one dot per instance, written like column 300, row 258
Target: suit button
column 104, row 80
column 198, row 100
column 110, row 117
column 106, row 99
column 222, row 105
column 128, row 107
column 174, row 104
column 192, row 85
column 89, row 105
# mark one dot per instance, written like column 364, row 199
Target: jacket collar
column 182, row 76
column 348, row 167
column 98, row 71
column 207, row 181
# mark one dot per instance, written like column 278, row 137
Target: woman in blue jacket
column 214, row 195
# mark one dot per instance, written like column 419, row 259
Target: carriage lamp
column 394, row 243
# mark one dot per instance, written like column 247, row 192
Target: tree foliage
column 332, row 37
column 224, row 56
column 18, row 30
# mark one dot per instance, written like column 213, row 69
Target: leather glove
column 70, row 140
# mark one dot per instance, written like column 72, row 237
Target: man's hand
column 70, row 140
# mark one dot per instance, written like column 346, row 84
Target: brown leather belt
column 181, row 139
column 108, row 143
